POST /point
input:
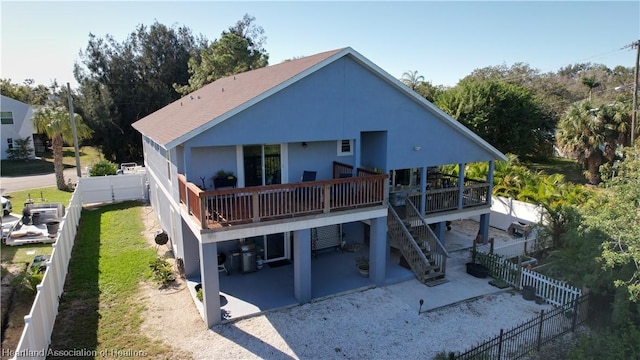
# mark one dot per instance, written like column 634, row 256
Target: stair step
column 436, row 282
column 432, row 275
column 429, row 268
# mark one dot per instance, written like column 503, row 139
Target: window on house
column 345, row 147
column 10, row 143
column 6, row 117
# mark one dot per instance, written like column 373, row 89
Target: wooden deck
column 214, row 209
column 219, row 208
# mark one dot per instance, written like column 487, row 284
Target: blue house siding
column 207, row 161
column 340, row 101
column 317, row 156
column 374, row 149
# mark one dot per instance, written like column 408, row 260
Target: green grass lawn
column 571, row 170
column 99, row 309
column 88, row 156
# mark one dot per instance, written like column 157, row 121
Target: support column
column 441, row 230
column 460, row 186
column 302, row 265
column 210, row 283
column 485, row 219
column 378, row 250
column 484, row 227
column 490, row 181
column 423, row 191
column 191, row 250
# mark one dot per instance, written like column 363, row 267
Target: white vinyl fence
column 553, row 291
column 518, row 247
column 104, row 189
column 36, row 336
column 505, row 211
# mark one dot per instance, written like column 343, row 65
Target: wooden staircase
column 419, row 247
column 433, row 273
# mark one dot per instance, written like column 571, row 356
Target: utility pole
column 75, row 133
column 634, row 113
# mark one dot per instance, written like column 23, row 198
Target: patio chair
column 309, row 175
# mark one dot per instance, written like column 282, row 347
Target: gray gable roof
column 225, row 97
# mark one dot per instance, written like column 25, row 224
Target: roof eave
column 208, row 125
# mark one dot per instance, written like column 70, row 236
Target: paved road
column 17, row 183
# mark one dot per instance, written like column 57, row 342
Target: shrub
column 103, row 167
column 162, row 271
column 21, row 150
column 619, row 343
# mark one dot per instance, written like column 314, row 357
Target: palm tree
column 55, row 123
column 580, row 133
column 412, row 79
column 591, row 83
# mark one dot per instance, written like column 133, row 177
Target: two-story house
column 325, row 150
column 16, row 122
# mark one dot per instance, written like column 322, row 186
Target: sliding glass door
column 262, row 165
column 274, row 246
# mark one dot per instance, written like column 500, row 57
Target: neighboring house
column 16, row 122
column 329, row 140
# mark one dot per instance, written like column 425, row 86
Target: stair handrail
column 410, row 206
column 393, row 215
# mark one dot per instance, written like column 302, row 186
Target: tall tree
column 593, row 135
column 123, row 82
column 55, row 122
column 26, row 92
column 508, row 116
column 238, row 50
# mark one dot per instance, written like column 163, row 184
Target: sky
column 443, row 40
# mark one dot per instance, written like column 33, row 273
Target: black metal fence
column 529, row 336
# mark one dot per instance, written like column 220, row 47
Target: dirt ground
column 15, row 305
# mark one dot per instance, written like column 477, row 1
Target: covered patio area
column 332, row 272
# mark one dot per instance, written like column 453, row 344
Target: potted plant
column 224, row 179
column 474, row 268
column 362, row 263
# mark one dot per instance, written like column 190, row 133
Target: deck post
column 423, row 191
column 460, row 186
column 490, row 181
column 302, row 265
column 484, row 227
column 210, row 283
column 378, row 250
column 441, row 228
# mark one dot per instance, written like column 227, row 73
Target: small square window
column 10, row 143
column 6, row 117
column 345, row 147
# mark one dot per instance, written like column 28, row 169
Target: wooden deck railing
column 447, row 199
column 423, row 233
column 262, row 203
column 402, row 238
